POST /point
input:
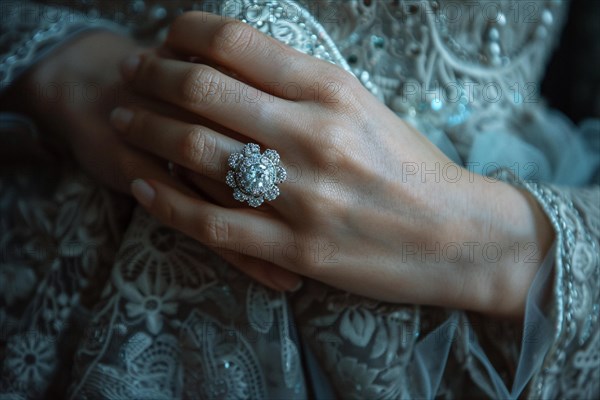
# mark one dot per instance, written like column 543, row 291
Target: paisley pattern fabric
column 97, row 300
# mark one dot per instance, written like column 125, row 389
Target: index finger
column 260, row 60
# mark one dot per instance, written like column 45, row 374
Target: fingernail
column 143, row 192
column 130, row 66
column 287, row 281
column 121, row 118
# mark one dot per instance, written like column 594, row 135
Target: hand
column 348, row 212
column 86, row 73
column 73, row 90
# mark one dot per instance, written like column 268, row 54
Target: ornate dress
column 98, row 300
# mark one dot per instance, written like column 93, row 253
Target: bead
column 494, row 48
column 493, row 34
column 501, row 19
column 436, row 104
column 547, row 17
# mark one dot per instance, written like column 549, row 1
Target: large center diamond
column 257, row 176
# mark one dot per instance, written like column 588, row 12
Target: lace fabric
column 148, row 313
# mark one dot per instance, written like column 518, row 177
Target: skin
column 350, row 216
column 79, row 122
column 72, row 93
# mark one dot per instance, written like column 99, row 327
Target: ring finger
column 195, row 147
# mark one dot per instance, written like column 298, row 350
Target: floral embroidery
column 150, row 302
column 31, row 358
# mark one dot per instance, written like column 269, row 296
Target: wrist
column 514, row 235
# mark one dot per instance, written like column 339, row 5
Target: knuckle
column 233, row 37
column 200, row 85
column 198, row 147
column 217, row 231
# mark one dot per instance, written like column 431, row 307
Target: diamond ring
column 254, row 176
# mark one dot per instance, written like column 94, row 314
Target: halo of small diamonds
column 254, row 176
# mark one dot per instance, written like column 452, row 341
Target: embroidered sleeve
column 571, row 367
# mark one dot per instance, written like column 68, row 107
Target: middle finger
column 207, row 92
